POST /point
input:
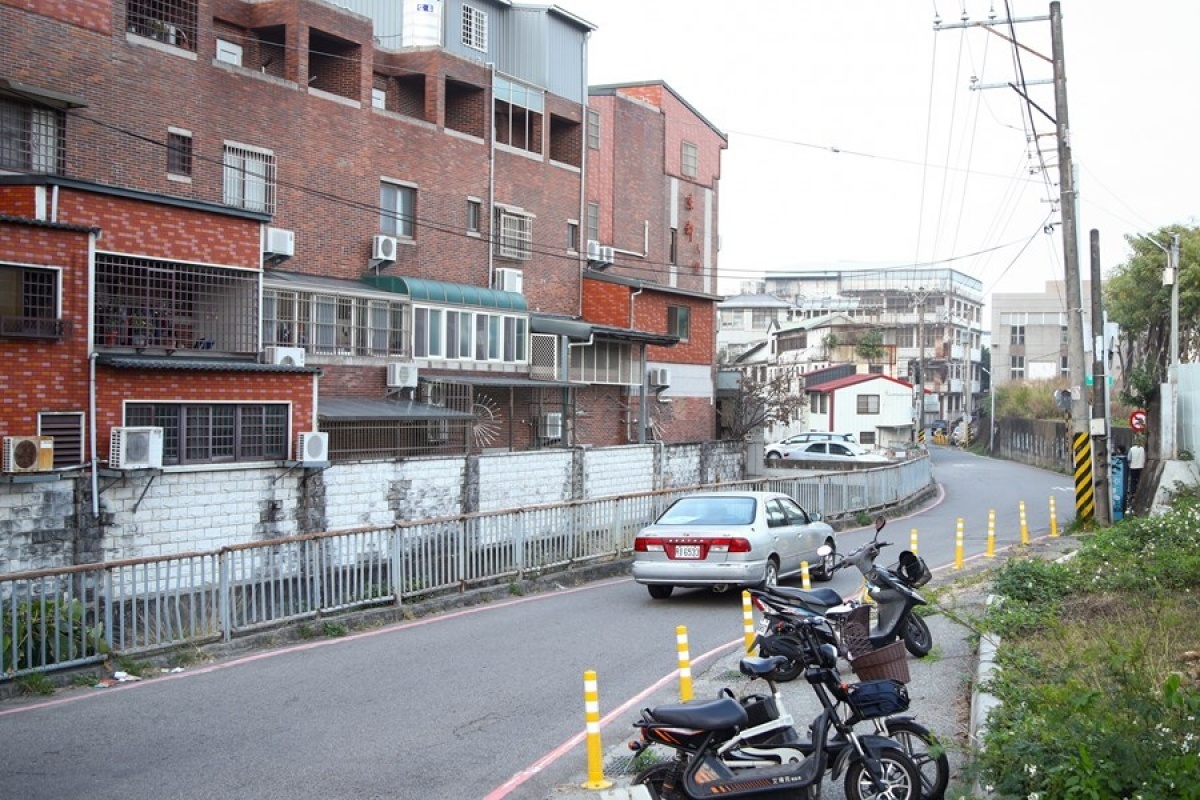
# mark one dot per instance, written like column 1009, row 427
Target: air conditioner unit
column 509, row 280
column 401, row 376
column 593, row 250
column 550, row 426
column 136, row 448
column 28, row 453
column 312, row 448
column 607, row 255
column 285, row 356
column 279, row 243
column 383, row 248
column 660, row 377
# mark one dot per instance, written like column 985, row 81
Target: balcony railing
column 34, row 328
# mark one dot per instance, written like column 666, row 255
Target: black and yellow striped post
column 1085, row 496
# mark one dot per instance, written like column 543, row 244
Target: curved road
column 481, row 703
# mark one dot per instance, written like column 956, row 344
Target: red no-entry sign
column 1137, row 421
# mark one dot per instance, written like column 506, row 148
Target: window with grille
column 679, row 322
column 249, row 178
column 1017, row 335
column 148, row 303
column 398, row 209
column 606, row 361
column 171, row 22
column 475, row 28
column 31, row 137
column 690, row 160
column 179, row 153
column 214, row 433
column 29, row 302
column 868, row 404
column 516, row 236
column 461, row 335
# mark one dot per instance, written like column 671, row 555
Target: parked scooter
column 892, row 590
column 715, row 757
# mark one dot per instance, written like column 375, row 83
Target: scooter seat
column 712, row 715
column 815, row 597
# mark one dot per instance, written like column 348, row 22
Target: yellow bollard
column 805, row 583
column 748, row 623
column 991, row 544
column 958, row 545
column 1053, row 518
column 1024, row 526
column 912, row 541
column 595, row 752
column 685, row 664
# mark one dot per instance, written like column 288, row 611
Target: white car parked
column 779, row 450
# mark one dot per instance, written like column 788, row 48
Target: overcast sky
column 855, row 135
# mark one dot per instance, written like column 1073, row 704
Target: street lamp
column 1170, row 441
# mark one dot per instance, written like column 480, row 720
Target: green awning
column 449, row 293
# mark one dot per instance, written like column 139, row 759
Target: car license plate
column 687, row 551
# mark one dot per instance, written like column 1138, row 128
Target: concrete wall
column 49, row 524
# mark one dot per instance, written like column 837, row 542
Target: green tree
column 1137, row 300
column 870, row 346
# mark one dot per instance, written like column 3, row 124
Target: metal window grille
column 606, row 362
column 475, row 28
column 543, row 358
column 217, row 432
column 171, row 22
column 29, row 303
column 179, row 154
column 249, row 178
column 144, row 303
column 31, row 138
column 516, row 236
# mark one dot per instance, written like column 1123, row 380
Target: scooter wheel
column 918, row 640
column 899, row 778
column 655, row 778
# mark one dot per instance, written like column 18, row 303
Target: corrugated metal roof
column 346, row 409
column 451, row 293
column 501, row 381
column 852, row 380
column 187, row 362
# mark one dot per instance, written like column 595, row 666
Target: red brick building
column 241, row 222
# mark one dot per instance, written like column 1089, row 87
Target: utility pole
column 919, row 305
column 1104, row 506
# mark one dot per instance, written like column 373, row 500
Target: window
column 1016, row 334
column 818, row 403
column 455, row 334
column 607, row 362
column 1016, row 367
column 1064, row 365
column 761, row 318
column 372, row 327
column 379, row 98
column 475, row 28
column 1063, row 335
column 216, row 433
column 398, row 209
column 689, row 160
column 31, row 138
column 474, row 215
column 593, row 129
column 679, row 322
column 673, row 247
column 593, row 221
column 516, row 235
column 179, row 152
column 573, row 235
column 249, row 178
column 868, row 404
column 171, row 22
column 29, row 303
column 517, row 118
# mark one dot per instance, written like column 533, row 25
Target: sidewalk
column 942, row 690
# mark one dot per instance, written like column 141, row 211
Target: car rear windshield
column 710, row 511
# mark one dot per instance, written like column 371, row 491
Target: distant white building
column 877, row 409
column 744, row 320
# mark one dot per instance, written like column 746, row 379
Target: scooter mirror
column 879, row 523
column 824, row 550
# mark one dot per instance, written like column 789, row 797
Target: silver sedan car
column 723, row 540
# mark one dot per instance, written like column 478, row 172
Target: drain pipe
column 92, row 434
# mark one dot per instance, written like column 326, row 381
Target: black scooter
column 892, row 590
column 715, row 754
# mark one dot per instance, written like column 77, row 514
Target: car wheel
column 773, row 459
column 823, row 571
column 659, row 591
column 771, row 574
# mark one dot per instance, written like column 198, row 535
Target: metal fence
column 53, row 619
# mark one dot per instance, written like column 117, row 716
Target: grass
column 1099, row 677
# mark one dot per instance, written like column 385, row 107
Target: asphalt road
column 484, row 702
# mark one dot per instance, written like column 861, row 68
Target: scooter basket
column 889, row 661
column 873, row 699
